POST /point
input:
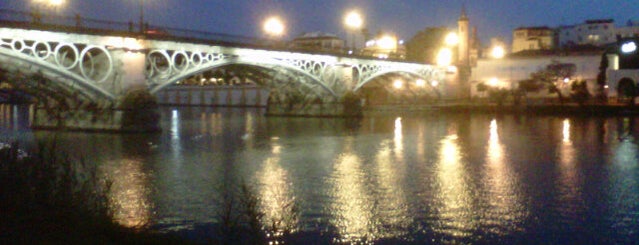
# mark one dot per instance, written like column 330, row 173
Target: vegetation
column 579, row 92
column 241, row 220
column 552, row 76
column 47, row 197
column 423, row 47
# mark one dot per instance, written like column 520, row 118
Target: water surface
column 427, row 178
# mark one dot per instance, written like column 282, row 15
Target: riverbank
column 554, row 109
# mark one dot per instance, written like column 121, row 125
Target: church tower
column 464, row 38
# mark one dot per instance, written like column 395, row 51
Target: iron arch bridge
column 105, row 67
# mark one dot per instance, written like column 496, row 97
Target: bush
column 140, row 111
column 45, row 195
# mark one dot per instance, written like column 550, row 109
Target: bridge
column 98, row 64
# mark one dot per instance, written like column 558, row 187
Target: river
column 411, row 177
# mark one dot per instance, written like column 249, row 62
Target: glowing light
column 387, row 42
column 445, row 57
column 494, row 82
column 274, row 26
column 498, row 52
column 566, row 131
column 49, row 2
column 629, row 47
column 420, row 83
column 434, row 83
column 451, row 39
column 398, row 84
column 566, row 80
column 354, row 20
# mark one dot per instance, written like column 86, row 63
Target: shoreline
column 552, row 110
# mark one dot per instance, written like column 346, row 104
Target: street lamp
column 142, row 16
column 51, row 4
column 354, row 22
column 273, row 26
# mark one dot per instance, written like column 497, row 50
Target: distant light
column 387, row 42
column 274, row 26
column 498, row 52
column 451, row 39
column 401, row 42
column 629, row 47
column 445, row 57
column 354, row 20
column 420, row 83
column 493, row 82
column 606, row 87
column 434, row 83
column 398, row 84
column 566, row 80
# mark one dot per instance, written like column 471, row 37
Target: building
column 318, row 42
column 385, row 46
column 631, row 30
column 592, row 32
column 533, row 38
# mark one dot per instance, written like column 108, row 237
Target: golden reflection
column 399, row 137
column 353, row 206
column 566, row 132
column 392, row 208
column 567, row 160
column 454, row 199
column 129, row 196
column 277, row 200
column 503, row 210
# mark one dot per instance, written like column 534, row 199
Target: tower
column 464, row 38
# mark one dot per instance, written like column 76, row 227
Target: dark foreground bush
column 48, row 198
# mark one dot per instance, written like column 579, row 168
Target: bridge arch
column 268, row 64
column 72, row 72
column 29, row 65
column 396, row 72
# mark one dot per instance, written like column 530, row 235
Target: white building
column 532, row 38
column 593, row 32
column 630, row 30
column 318, row 42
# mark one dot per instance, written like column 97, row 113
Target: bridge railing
column 80, row 24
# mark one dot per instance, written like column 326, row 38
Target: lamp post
column 52, row 4
column 354, row 22
column 142, row 16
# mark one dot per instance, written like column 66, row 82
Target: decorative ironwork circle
column 86, row 54
column 58, row 59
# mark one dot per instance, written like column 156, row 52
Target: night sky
column 403, row 17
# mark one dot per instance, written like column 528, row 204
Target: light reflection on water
column 449, row 178
column 129, row 195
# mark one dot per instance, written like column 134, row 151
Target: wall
column 509, row 71
column 249, row 96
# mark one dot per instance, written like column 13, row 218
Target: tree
column 579, row 92
column 423, row 47
column 552, row 75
